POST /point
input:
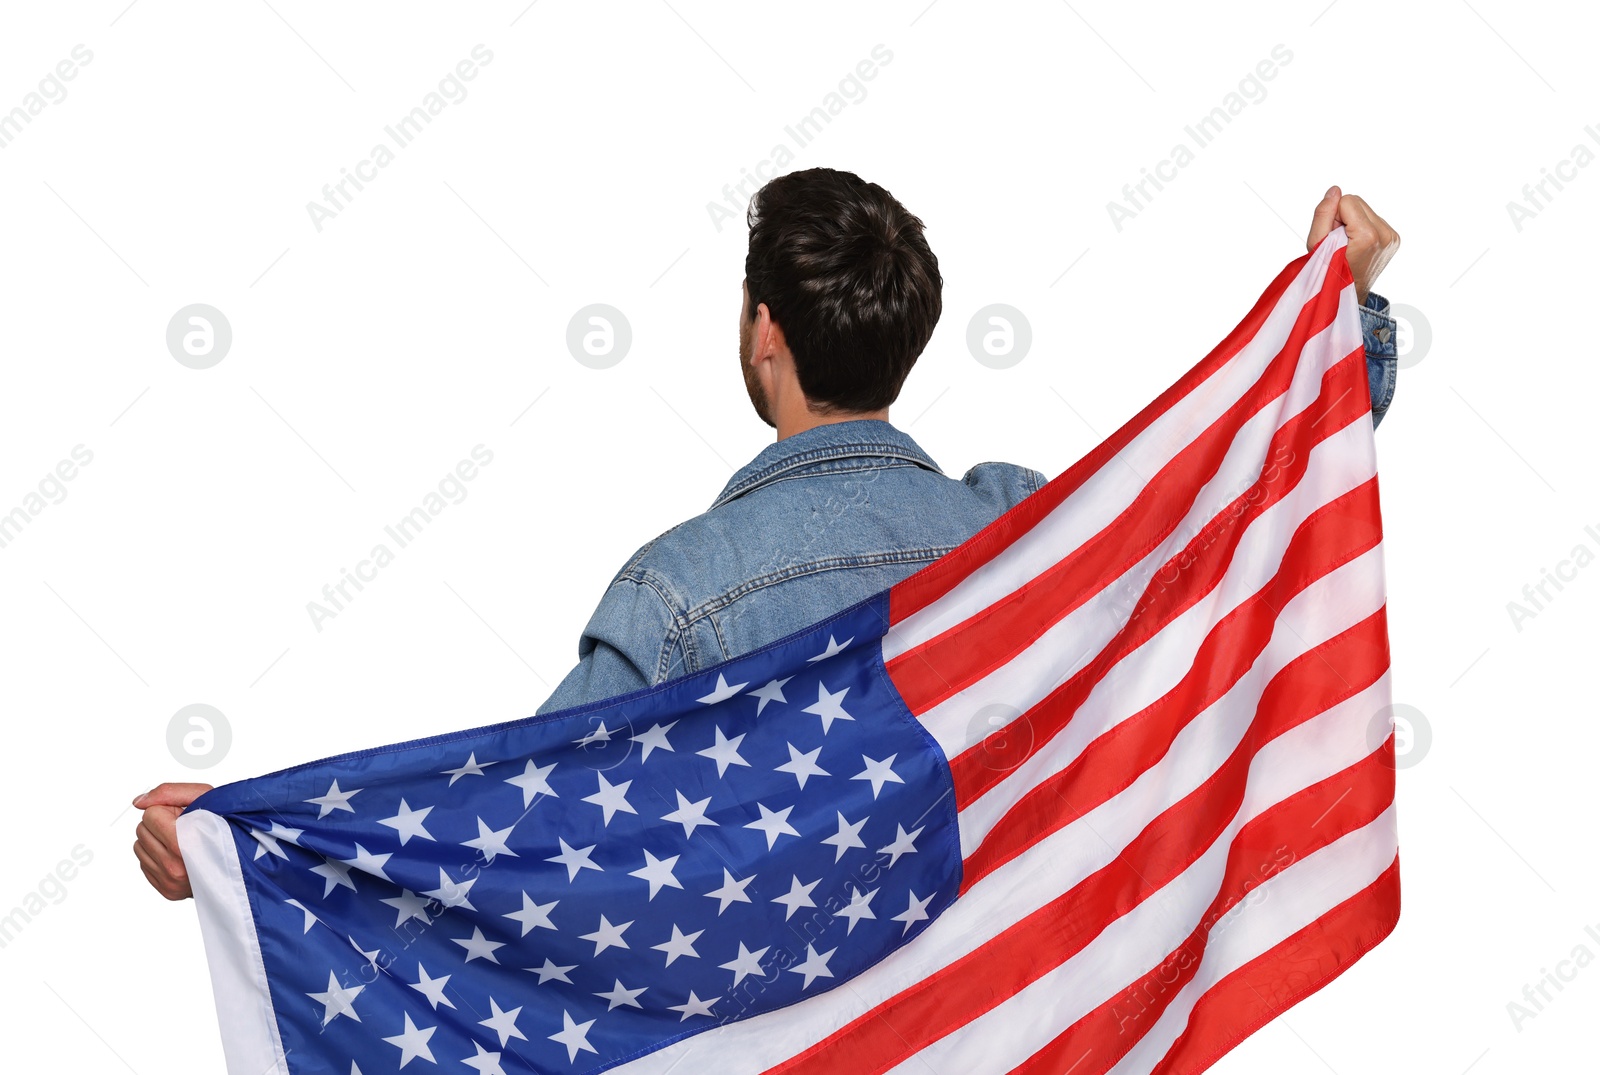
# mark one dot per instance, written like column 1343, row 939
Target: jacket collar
column 858, row 437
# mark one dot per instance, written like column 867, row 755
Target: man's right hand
column 157, row 843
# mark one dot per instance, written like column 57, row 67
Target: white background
column 429, row 316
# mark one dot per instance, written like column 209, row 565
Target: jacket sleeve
column 631, row 641
column 1378, row 332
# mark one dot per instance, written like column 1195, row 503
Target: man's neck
column 805, row 418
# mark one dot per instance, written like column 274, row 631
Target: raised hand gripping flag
column 1105, row 789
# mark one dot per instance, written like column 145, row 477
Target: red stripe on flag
column 939, row 578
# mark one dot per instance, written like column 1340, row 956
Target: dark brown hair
column 846, row 273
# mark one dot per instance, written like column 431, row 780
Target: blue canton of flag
column 565, row 893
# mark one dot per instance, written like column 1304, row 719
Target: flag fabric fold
column 1104, row 789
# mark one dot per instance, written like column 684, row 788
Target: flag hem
column 252, row 1045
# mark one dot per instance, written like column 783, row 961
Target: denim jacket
column 813, row 524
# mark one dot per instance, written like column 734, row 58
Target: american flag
column 1105, row 789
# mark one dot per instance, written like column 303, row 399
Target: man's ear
column 761, row 334
column 769, row 338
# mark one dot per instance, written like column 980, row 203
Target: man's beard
column 752, row 384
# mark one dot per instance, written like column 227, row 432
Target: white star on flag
column 334, row 875
column 334, row 800
column 611, row 798
column 311, row 919
column 269, row 840
column 409, row 905
column 551, row 970
column 413, row 1042
column 803, row 766
column 689, row 815
column 574, row 858
column 654, row 739
column 857, row 908
column 723, row 691
column 367, row 862
column 337, row 1000
column 731, row 891
column 503, row 1023
column 848, row 836
column 606, row 935
column 745, row 963
column 917, row 912
column 622, row 995
column 468, row 768
column 815, row 965
column 478, row 946
column 879, row 773
column 533, row 915
column 724, row 752
column 452, row 893
column 575, row 1036
column 772, row 691
column 833, row 648
column 902, row 844
column 797, row 897
column 693, row 1006
column 371, row 957
column 679, row 944
column 487, row 1063
column 408, row 823
column 658, row 872
column 602, row 734
column 829, row 706
column 534, row 781
column 491, row 842
column 432, row 988
column 773, row 824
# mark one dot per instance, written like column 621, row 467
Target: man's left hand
column 1372, row 241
